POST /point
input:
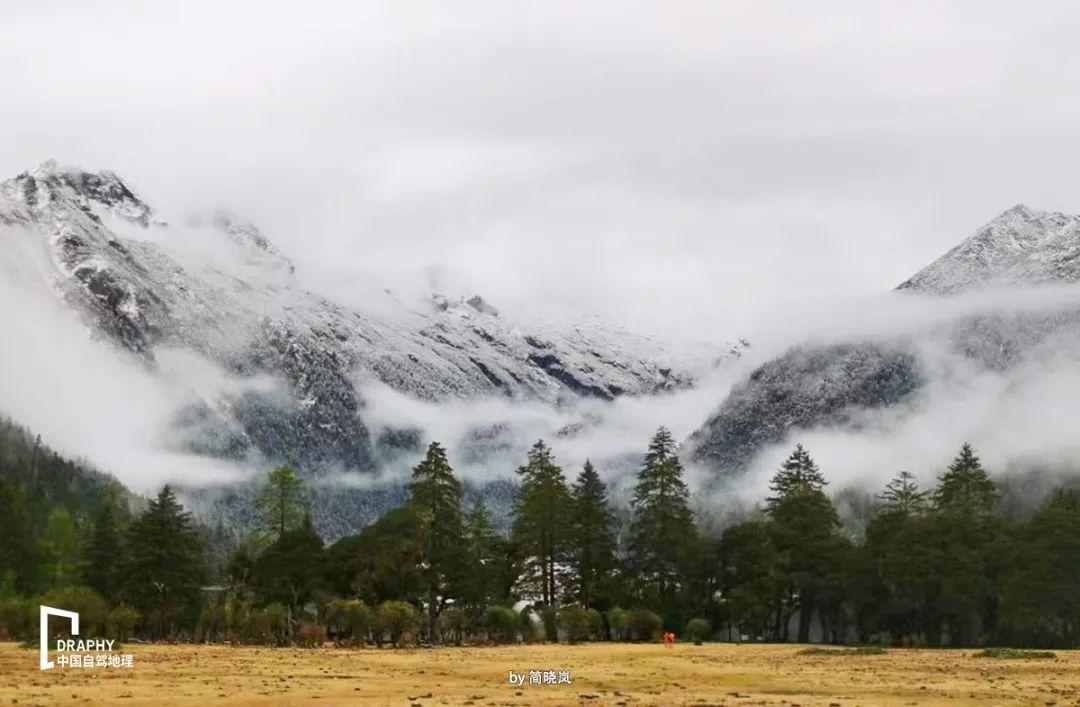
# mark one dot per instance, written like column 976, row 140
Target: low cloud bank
column 90, row 400
column 87, row 399
column 1018, row 417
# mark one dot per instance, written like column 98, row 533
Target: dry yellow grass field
column 602, row 674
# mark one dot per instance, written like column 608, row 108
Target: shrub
column 121, row 621
column 278, row 621
column 454, row 622
column 596, row 624
column 644, row 625
column 92, row 609
column 333, row 615
column 399, row 619
column 349, row 617
column 18, row 618
column 576, row 622
column 257, row 627
column 618, row 623
column 697, row 630
column 501, row 623
column 310, row 635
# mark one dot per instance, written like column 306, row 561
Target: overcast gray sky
column 659, row 161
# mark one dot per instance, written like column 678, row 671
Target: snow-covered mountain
column 847, row 384
column 1019, row 247
column 216, row 287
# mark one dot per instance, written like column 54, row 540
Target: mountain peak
column 1019, row 210
column 46, row 168
column 47, row 181
column 1020, row 246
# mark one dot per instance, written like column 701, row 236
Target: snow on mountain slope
column 216, row 287
column 1019, row 247
column 844, row 384
column 807, row 387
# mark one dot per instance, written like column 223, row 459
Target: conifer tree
column 17, row 553
column 748, row 577
column 486, row 551
column 104, row 553
column 1042, row 591
column 798, row 473
column 804, row 524
column 970, row 537
column 902, row 496
column 384, row 561
column 900, row 562
column 59, row 549
column 289, row 571
column 592, row 538
column 163, row 569
column 662, row 531
column 539, row 526
column 965, row 486
column 282, row 501
column 435, row 494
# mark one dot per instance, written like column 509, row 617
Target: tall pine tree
column 17, row 551
column 164, row 563
column 971, row 538
column 898, row 575
column 435, row 494
column 485, row 560
column 104, row 552
column 804, row 524
column 539, row 528
column 592, row 539
column 282, row 501
column 59, row 549
column 663, row 538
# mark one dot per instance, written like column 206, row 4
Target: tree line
column 936, row 567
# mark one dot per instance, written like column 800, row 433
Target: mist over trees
column 938, row 566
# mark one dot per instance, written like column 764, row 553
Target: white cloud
column 85, row 398
column 1017, row 418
